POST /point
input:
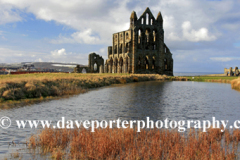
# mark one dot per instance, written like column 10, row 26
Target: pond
column 158, row 100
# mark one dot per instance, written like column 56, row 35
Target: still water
column 157, row 100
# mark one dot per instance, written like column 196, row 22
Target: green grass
column 208, row 78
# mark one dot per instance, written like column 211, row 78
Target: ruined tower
column 95, row 63
column 141, row 48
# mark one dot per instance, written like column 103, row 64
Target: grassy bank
column 129, row 144
column 31, row 88
column 234, row 81
column 220, row 79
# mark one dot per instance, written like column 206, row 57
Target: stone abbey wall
column 95, row 65
column 141, row 48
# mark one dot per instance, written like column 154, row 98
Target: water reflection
column 157, row 100
column 139, row 101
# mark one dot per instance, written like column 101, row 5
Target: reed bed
column 154, row 144
column 219, row 80
column 35, row 87
column 236, row 84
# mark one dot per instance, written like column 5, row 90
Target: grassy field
column 31, row 88
column 235, row 81
column 52, row 76
column 223, row 79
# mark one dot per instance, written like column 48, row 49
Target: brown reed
column 129, row 144
column 236, row 84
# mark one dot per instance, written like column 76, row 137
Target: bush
column 13, row 94
column 135, row 79
column 122, row 81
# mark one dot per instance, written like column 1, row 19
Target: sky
column 203, row 35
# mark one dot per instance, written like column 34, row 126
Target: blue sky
column 203, row 35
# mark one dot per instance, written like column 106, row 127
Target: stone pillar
column 236, row 73
column 124, row 67
column 150, row 64
column 143, row 64
column 226, row 71
column 110, row 69
column 118, row 67
column 101, row 69
column 133, row 50
column 114, row 67
column 106, row 68
column 230, row 71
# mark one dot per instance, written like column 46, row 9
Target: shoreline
column 18, row 90
column 32, row 90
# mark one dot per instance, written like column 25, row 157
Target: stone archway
column 146, row 63
column 110, row 65
column 126, row 64
column 153, row 63
column 120, row 65
column 139, row 63
column 94, row 62
column 84, row 70
column 115, row 65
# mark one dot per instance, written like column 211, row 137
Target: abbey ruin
column 231, row 71
column 140, row 49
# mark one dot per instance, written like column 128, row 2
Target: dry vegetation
column 25, row 89
column 129, row 144
column 236, row 84
column 219, row 80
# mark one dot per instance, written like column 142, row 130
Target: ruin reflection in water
column 158, row 100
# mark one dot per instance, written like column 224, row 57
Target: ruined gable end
column 141, row 48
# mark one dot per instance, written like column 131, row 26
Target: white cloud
column 95, row 21
column 58, row 55
column 61, row 55
column 59, row 52
column 195, row 36
column 189, row 34
column 173, row 36
column 86, row 37
column 7, row 14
